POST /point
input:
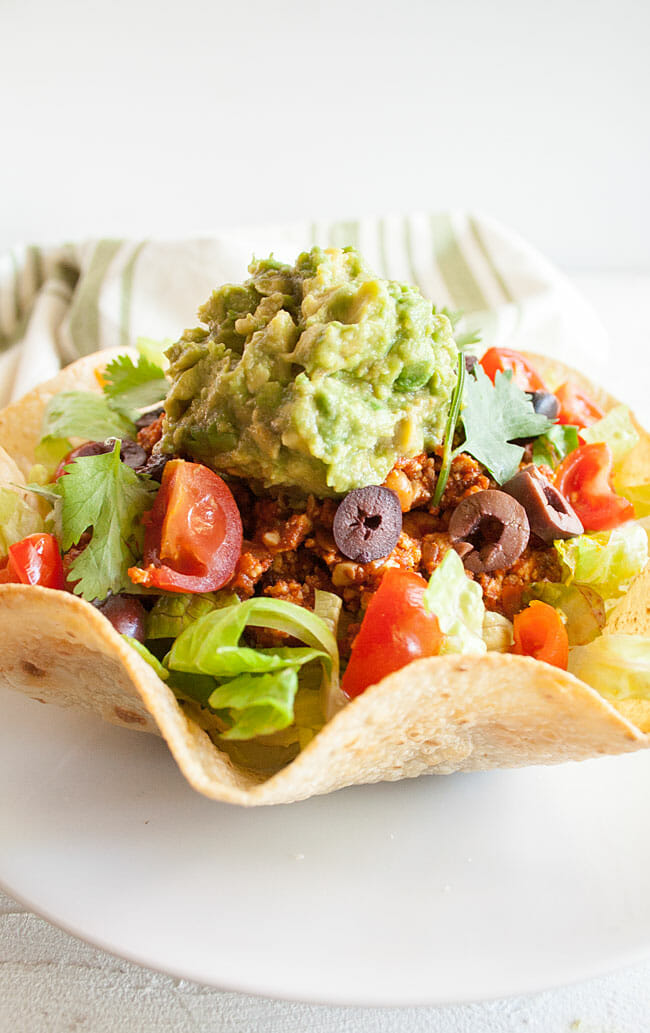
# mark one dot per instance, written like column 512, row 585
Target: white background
column 134, row 118
column 138, row 117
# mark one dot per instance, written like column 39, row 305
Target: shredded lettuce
column 608, row 560
column 616, row 430
column 457, row 602
column 617, row 666
column 259, row 704
column 637, row 494
column 171, row 614
column 47, row 456
column 582, row 606
column 551, row 448
column 147, row 655
column 17, row 519
column 497, row 632
column 257, row 687
column 327, row 606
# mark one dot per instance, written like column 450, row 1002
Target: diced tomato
column 34, row 560
column 584, row 478
column 193, row 534
column 524, row 375
column 540, row 632
column 395, row 630
column 576, row 408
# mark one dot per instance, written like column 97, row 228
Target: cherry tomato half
column 193, row 534
column 583, row 477
column 576, row 408
column 539, row 632
column 498, row 360
column 395, row 630
column 34, row 560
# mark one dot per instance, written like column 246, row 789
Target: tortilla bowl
column 437, row 715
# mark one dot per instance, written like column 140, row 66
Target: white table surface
column 53, row 983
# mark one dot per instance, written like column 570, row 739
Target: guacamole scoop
column 317, row 376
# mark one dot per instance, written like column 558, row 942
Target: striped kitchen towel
column 57, row 304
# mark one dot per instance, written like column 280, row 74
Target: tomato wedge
column 576, row 408
column 193, row 534
column 34, row 560
column 524, row 375
column 539, row 632
column 395, row 630
column 583, row 477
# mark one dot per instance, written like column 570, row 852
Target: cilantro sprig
column 132, row 386
column 494, row 415
column 450, row 428
column 128, row 387
column 104, row 495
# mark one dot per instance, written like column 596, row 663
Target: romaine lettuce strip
column 616, row 430
column 147, row 655
column 171, row 614
column 328, row 606
column 637, row 494
column 210, row 646
column 617, row 666
column 17, row 519
column 458, row 604
column 607, row 560
column 260, row 705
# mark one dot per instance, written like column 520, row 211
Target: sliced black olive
column 155, row 465
column 494, row 525
column 126, row 614
column 90, row 448
column 147, row 418
column 545, row 403
column 550, row 515
column 367, row 523
column 130, row 452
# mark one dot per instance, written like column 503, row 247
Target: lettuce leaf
column 258, row 705
column 497, row 632
column 617, row 666
column 17, row 519
column 257, row 686
column 457, row 602
column 328, row 606
column 171, row 614
column 608, row 560
column 147, row 655
column 637, row 494
column 616, row 430
column 551, row 448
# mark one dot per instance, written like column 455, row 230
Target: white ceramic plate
column 435, row 890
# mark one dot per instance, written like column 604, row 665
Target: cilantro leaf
column 102, row 493
column 131, row 386
column 495, row 415
column 84, row 414
column 552, row 447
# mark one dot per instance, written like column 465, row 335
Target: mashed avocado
column 316, row 376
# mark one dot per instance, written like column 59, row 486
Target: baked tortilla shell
column 438, row 715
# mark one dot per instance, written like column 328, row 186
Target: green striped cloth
column 59, row 303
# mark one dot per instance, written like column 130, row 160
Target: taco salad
column 327, row 538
